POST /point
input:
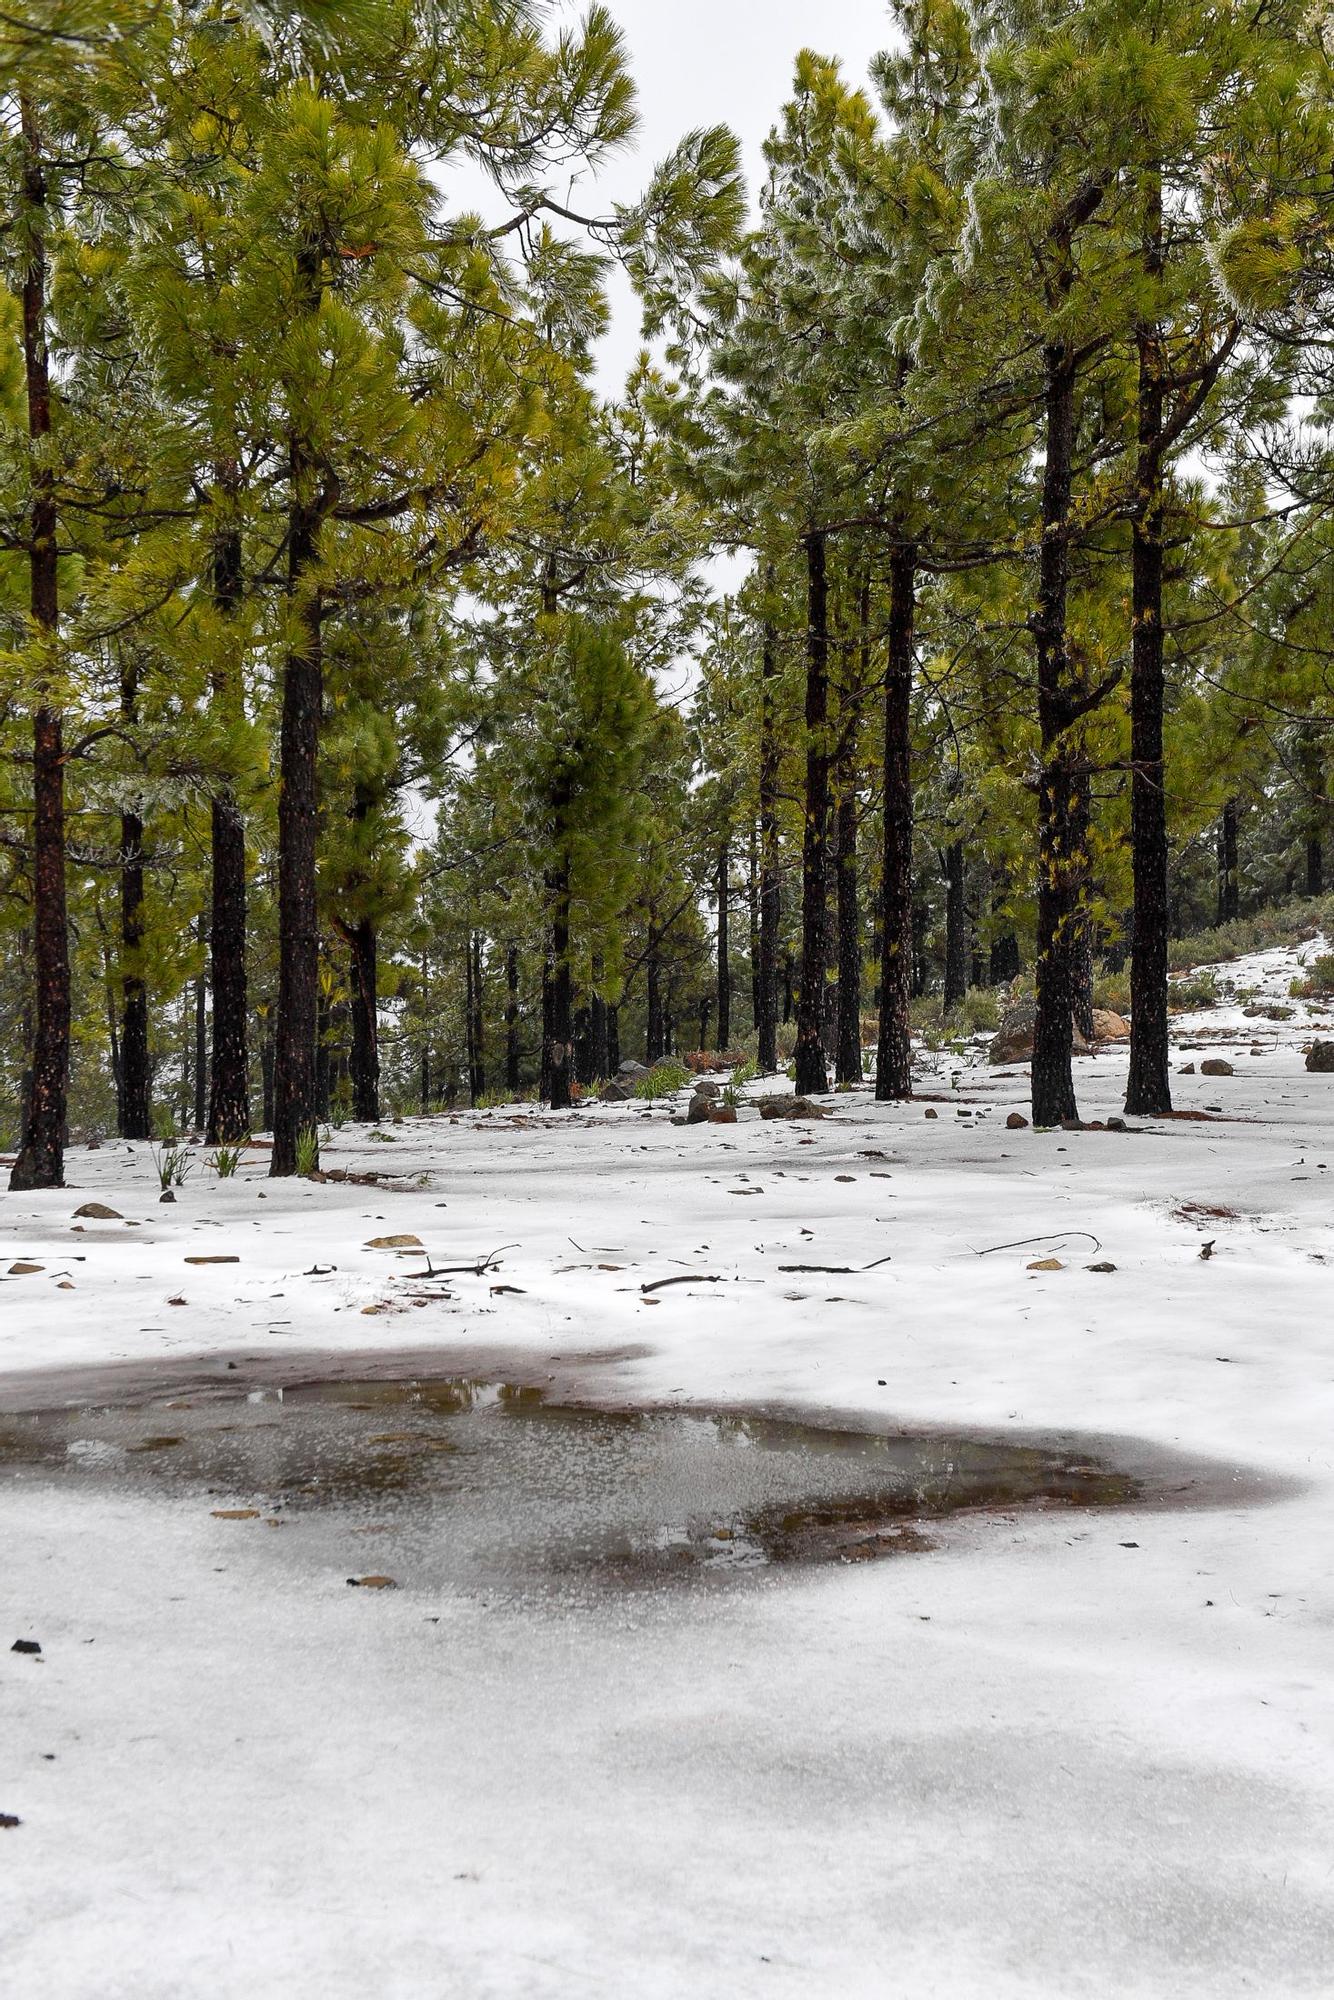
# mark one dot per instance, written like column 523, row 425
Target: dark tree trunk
column 583, row 1044
column 41, row 1157
column 812, row 1075
column 229, row 1101
column 599, row 1051
column 724, row 949
column 513, row 1079
column 753, row 917
column 829, row 1008
column 771, row 914
column 893, row 1066
column 229, row 1090
column 1315, row 865
column 789, row 988
column 975, row 917
column 1060, row 860
column 266, row 1068
column 705, row 1016
column 295, row 1106
column 324, row 1020
column 424, row 1077
column 201, row 1033
column 469, row 1017
column 1083, row 933
column 364, row 981
column 1005, row 960
column 1006, row 963
column 559, row 1059
column 476, row 1021
column 1229, row 878
column 848, row 1009
column 848, row 1063
column 136, row 1118
column 655, row 1029
column 135, row 1111
column 956, row 928
column 548, row 1005
column 1149, row 1087
column 613, row 1040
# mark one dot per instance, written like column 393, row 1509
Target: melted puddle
column 469, row 1484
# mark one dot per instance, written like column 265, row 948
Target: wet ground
column 465, row 1483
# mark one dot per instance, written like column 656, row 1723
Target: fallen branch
column 836, row 1270
column 1057, row 1236
column 692, row 1278
column 475, row 1270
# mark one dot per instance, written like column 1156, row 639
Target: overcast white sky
column 710, row 62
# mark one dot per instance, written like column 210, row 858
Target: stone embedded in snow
column 1109, row 1027
column 930, row 1112
column 395, row 1243
column 1047, row 1264
column 1216, row 1067
column 213, row 1260
column 708, row 1090
column 25, row 1270
column 372, row 1583
column 26, row 1646
column 631, row 1069
column 723, row 1115
column 1014, row 1042
column 97, row 1211
column 698, row 1113
column 1186, row 1069
column 613, row 1093
column 1016, row 1122
column 1100, row 1267
column 790, row 1107
column 1320, row 1059
column 235, row 1513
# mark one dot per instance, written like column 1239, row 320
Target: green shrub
column 1197, row 989
column 226, row 1160
column 744, row 1073
column 172, row 1164
column 1284, row 923
column 1321, row 974
column 980, row 1011
column 663, row 1080
column 307, row 1152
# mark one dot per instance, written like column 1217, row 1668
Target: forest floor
column 1062, row 1754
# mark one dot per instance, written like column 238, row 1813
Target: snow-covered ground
column 1060, row 1756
